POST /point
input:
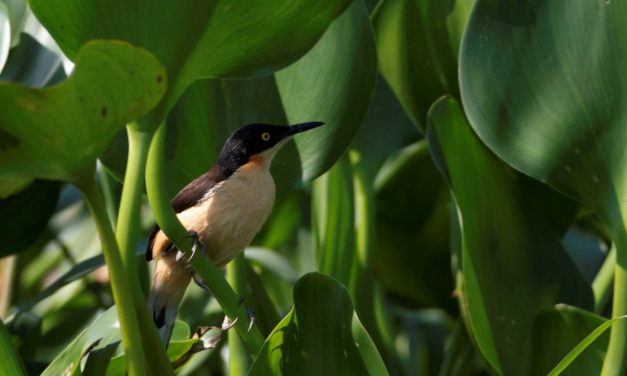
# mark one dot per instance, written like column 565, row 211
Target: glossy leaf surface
column 56, row 133
column 513, row 263
column 321, row 335
column 544, row 85
column 417, row 43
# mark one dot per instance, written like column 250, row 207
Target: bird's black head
column 262, row 140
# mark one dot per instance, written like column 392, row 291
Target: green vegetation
column 462, row 212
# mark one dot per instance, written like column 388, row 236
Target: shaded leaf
column 321, row 335
column 512, row 261
column 32, row 64
column 557, row 330
column 417, row 44
column 29, row 211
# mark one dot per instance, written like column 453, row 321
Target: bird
column 222, row 209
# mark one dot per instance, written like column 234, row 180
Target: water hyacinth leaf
column 10, row 363
column 29, row 211
column 513, row 263
column 333, row 83
column 557, row 330
column 320, row 336
column 193, row 38
column 56, row 133
column 544, row 86
column 319, row 87
column 417, row 44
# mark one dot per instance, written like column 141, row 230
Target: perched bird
column 222, row 209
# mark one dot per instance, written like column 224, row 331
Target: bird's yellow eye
column 265, row 136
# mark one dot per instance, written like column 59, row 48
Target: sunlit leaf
column 5, row 34
column 56, row 133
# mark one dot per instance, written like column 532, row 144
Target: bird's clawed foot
column 251, row 314
column 198, row 245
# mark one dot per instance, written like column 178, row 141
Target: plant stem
column 602, row 284
column 239, row 361
column 127, row 233
column 10, row 362
column 615, row 362
column 158, row 196
column 129, row 331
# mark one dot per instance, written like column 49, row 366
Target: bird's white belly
column 235, row 210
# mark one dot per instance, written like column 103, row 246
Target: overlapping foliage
column 467, row 215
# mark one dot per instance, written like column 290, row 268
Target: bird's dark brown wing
column 189, row 196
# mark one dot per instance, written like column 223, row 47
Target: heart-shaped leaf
column 56, row 133
column 338, row 73
column 544, row 85
column 320, row 336
column 196, row 38
column 512, row 261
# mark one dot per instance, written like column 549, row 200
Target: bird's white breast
column 233, row 212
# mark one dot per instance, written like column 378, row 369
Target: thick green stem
column 615, row 362
column 602, row 284
column 159, row 198
column 239, row 361
column 129, row 326
column 127, row 233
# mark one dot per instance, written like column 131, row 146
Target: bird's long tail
column 170, row 281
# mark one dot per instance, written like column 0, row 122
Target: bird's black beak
column 302, row 127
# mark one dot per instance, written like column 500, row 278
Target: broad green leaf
column 512, row 261
column 320, row 336
column 5, row 34
column 29, row 212
column 10, row 363
column 32, row 64
column 333, row 83
column 411, row 250
column 557, row 330
column 338, row 73
column 544, row 85
column 57, row 133
column 417, row 44
column 193, row 38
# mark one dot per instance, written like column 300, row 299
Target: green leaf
column 338, row 73
column 583, row 345
column 57, row 133
column 557, row 330
column 10, row 363
column 513, row 263
column 417, row 44
column 544, row 86
column 411, row 249
column 320, row 336
column 29, row 211
column 195, row 38
column 105, row 329
column 333, row 83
